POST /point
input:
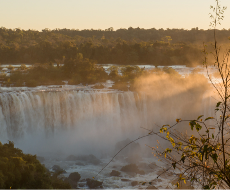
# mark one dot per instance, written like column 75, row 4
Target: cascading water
column 56, row 122
column 88, row 117
column 85, row 121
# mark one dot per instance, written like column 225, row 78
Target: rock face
column 92, row 184
column 134, row 183
column 75, row 176
column 58, row 169
column 73, row 179
column 125, row 179
column 90, row 159
column 132, row 168
column 115, row 173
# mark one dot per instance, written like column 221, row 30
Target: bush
column 24, row 171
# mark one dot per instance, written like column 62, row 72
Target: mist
column 92, row 122
column 175, row 96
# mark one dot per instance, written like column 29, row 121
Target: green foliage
column 24, row 171
column 149, row 46
column 83, row 71
column 23, row 67
column 199, row 154
column 131, row 72
column 171, row 71
column 113, row 73
column 203, row 156
column 10, row 67
column 76, row 71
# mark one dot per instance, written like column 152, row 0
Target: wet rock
column 143, row 165
column 158, row 180
column 115, row 173
column 151, row 187
column 81, row 184
column 165, row 174
column 132, row 168
column 90, row 159
column 73, row 179
column 134, row 183
column 75, row 176
column 153, row 166
column 141, row 172
column 58, row 169
column 92, row 184
column 125, row 180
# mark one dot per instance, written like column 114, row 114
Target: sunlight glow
column 102, row 14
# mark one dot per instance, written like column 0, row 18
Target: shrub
column 24, row 171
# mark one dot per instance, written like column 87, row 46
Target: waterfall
column 44, row 121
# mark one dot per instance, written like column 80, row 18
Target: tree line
column 123, row 46
column 78, row 71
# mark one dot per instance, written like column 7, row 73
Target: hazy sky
column 102, row 14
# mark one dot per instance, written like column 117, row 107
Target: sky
column 102, row 14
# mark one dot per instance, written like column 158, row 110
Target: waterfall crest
column 49, row 119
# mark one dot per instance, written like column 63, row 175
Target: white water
column 68, row 117
column 42, row 122
column 57, row 122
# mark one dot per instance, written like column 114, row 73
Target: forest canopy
column 123, row 46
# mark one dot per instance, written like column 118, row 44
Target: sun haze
column 102, row 14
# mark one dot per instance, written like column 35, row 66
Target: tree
column 24, row 171
column 23, row 67
column 203, row 158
